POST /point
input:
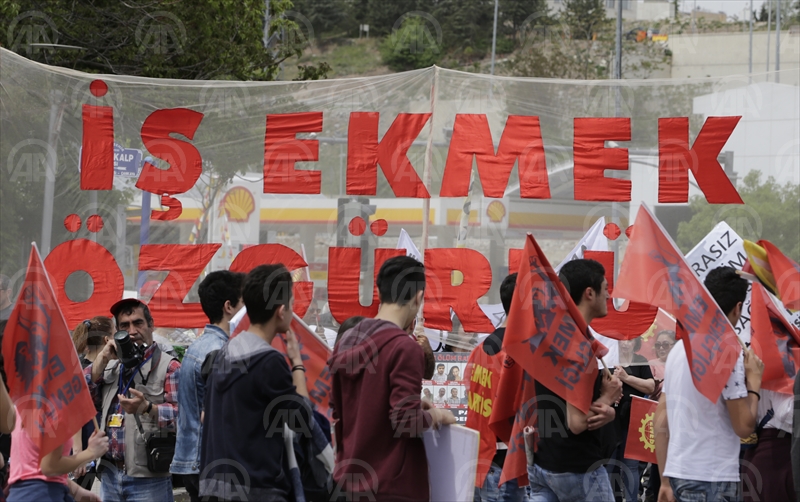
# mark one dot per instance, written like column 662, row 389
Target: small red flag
column 315, row 354
column 45, row 380
column 641, row 443
column 775, row 341
column 655, row 272
column 512, row 410
column 786, row 273
column 542, row 313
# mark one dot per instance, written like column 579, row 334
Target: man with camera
column 134, row 385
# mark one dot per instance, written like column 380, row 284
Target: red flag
column 641, row 443
column 44, row 375
column 786, row 273
column 482, row 375
column 542, row 313
column 655, row 272
column 315, row 354
column 513, row 408
column 775, row 341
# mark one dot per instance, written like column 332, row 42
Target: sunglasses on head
column 663, row 345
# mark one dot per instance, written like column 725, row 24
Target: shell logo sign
column 496, row 211
column 238, row 204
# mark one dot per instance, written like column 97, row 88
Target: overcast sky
column 729, row 7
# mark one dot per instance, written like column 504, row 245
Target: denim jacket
column 191, row 393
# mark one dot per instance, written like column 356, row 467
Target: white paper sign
column 452, row 455
column 722, row 247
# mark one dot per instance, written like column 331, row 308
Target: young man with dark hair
column 377, row 370
column 221, row 298
column 251, row 394
column 697, row 441
column 482, row 375
column 135, row 403
column 574, row 446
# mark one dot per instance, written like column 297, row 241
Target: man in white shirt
column 697, row 442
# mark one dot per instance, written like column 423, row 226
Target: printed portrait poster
column 447, row 388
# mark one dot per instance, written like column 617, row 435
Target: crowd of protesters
column 233, row 420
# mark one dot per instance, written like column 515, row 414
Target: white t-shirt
column 702, row 443
column 783, row 407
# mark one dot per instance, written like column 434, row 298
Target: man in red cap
column 138, row 400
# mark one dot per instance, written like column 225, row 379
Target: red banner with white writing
column 775, row 341
column 45, row 380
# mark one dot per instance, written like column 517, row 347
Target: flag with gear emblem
column 641, row 443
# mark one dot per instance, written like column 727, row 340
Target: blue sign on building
column 127, row 161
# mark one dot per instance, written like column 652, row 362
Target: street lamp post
column 494, row 36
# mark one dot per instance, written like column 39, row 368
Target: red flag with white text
column 45, row 379
column 655, row 272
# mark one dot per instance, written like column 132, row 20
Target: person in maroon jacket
column 377, row 370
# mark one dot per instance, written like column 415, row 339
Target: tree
column 584, row 17
column 515, row 14
column 771, row 211
column 201, row 39
column 324, row 15
column 410, row 47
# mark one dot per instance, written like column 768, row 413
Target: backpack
column 314, row 458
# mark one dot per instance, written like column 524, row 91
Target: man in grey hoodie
column 250, row 395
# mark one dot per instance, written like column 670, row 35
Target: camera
column 129, row 354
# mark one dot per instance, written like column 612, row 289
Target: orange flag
column 786, row 273
column 641, row 443
column 655, row 272
column 45, row 380
column 775, row 341
column 542, row 313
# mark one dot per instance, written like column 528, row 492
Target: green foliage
column 585, row 18
column 198, row 39
column 771, row 211
column 411, row 46
column 324, row 15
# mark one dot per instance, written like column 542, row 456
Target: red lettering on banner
column 621, row 325
column 97, row 148
column 441, row 295
column 185, row 263
column 365, row 153
column 282, row 150
column 90, row 257
column 264, row 254
column 344, row 273
column 591, row 158
column 185, row 163
column 521, row 139
column 675, row 159
column 174, row 209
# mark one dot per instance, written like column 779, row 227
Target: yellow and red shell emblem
column 238, row 204
column 496, row 211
